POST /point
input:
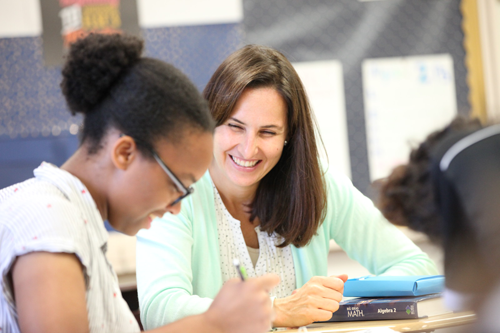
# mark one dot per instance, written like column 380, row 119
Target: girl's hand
column 243, row 307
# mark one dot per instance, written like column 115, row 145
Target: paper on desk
column 370, row 330
column 377, row 330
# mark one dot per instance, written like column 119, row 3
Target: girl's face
column 249, row 144
column 145, row 190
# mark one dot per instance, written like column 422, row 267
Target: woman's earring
column 286, row 142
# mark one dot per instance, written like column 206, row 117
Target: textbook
column 394, row 286
column 390, row 308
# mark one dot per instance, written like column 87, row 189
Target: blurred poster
column 65, row 21
column 405, row 100
column 324, row 84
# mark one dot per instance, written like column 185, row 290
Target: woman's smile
column 247, row 164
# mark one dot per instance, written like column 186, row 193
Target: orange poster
column 65, row 21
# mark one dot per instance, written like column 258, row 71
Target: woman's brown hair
column 291, row 198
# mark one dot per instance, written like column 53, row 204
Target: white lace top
column 271, row 259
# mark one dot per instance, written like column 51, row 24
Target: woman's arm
column 360, row 229
column 165, row 272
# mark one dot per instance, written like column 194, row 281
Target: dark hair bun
column 93, row 65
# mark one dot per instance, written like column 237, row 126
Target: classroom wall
column 35, row 124
column 196, row 37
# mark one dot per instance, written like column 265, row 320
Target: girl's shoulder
column 37, row 210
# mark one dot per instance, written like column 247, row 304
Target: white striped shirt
column 54, row 212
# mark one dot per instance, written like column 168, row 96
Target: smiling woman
column 260, row 84
column 249, row 144
column 268, row 202
column 140, row 115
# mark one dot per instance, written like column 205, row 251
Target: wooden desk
column 407, row 325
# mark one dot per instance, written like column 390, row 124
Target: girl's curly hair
column 107, row 79
column 407, row 195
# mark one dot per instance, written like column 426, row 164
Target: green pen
column 241, row 270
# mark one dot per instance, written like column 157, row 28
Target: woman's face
column 145, row 190
column 249, row 144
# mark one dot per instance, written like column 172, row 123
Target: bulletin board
column 405, row 99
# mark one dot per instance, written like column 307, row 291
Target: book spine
column 376, row 311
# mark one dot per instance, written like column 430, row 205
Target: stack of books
column 401, row 297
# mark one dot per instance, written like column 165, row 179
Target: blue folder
column 388, row 286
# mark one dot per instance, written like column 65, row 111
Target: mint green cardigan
column 178, row 266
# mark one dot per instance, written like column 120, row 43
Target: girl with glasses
column 137, row 111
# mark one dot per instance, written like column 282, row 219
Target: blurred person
column 450, row 190
column 140, row 115
column 267, row 201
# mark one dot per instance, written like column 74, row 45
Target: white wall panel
column 165, row 13
column 405, row 100
column 20, row 18
column 324, row 84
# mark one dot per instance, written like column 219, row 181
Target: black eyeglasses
column 178, row 184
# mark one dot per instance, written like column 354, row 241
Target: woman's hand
column 314, row 301
column 243, row 306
